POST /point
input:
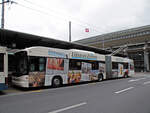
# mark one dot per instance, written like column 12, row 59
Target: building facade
column 136, row 40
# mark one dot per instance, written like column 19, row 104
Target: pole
column 69, row 31
column 2, row 20
column 103, row 43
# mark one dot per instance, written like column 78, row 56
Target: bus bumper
column 20, row 83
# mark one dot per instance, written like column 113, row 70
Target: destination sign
column 90, row 56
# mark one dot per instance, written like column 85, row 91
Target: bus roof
column 62, row 53
column 120, row 59
column 46, row 52
column 72, row 54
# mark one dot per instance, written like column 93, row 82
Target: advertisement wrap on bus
column 42, row 66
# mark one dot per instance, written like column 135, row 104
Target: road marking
column 20, row 93
column 133, row 80
column 148, row 82
column 91, row 83
column 37, row 91
column 117, row 92
column 69, row 107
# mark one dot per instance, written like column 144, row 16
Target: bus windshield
column 21, row 63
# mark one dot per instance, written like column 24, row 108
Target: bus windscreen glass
column 21, row 63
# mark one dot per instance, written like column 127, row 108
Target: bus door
column 109, row 67
column 86, row 69
column 102, row 69
column 131, row 69
column 120, row 70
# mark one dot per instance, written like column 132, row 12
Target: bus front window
column 21, row 67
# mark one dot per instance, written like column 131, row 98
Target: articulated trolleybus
column 42, row 66
column 3, row 68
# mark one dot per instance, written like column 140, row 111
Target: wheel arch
column 57, row 76
column 101, row 75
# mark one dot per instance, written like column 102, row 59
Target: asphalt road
column 130, row 95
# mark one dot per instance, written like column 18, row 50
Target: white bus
column 3, row 68
column 42, row 66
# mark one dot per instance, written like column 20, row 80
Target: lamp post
column 103, row 43
column 69, row 31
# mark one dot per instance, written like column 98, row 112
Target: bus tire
column 57, row 81
column 100, row 77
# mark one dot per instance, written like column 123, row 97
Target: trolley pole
column 69, row 31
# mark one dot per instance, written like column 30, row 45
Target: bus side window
column 95, row 66
column 125, row 65
column 33, row 64
column 114, row 65
column 75, row 65
column 37, row 64
column 42, row 64
column 32, row 67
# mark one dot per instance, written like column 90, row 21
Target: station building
column 136, row 40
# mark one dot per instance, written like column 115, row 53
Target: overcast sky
column 50, row 18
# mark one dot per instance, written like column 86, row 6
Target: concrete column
column 125, row 52
column 146, row 59
column 108, row 67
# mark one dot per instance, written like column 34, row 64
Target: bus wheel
column 57, row 82
column 100, row 77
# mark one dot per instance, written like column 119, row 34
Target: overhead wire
column 77, row 21
column 35, row 10
column 41, row 9
column 43, row 12
column 84, row 24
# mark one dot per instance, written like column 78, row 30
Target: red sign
column 86, row 29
